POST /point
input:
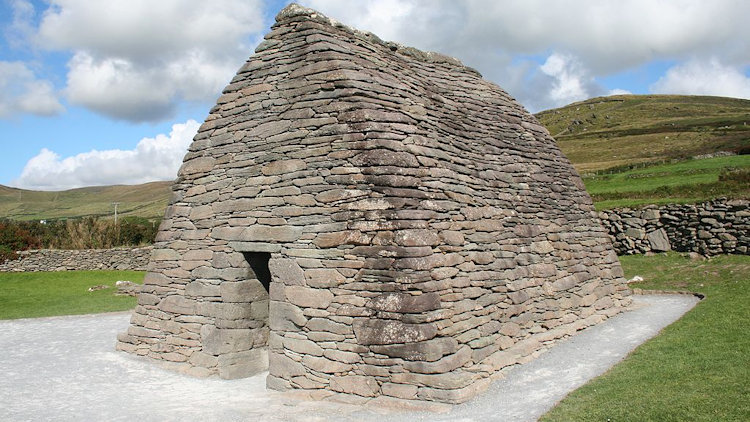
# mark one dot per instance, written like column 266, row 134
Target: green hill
column 146, row 200
column 622, row 130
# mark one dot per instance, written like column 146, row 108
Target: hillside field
column 623, row 130
column 147, row 200
column 682, row 182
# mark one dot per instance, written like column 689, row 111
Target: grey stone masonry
column 84, row 259
column 366, row 218
column 710, row 228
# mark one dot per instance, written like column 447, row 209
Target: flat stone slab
column 66, row 369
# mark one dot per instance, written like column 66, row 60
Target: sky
column 111, row 92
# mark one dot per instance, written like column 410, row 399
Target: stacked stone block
column 710, row 228
column 422, row 230
column 79, row 259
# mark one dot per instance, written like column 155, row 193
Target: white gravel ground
column 66, row 369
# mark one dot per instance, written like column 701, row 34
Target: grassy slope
column 627, row 129
column 682, row 182
column 33, row 295
column 146, row 200
column 697, row 369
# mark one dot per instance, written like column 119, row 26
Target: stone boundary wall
column 86, row 259
column 711, row 228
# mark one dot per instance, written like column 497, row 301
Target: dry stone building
column 366, row 218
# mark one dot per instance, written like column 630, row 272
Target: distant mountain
column 621, row 130
column 146, row 200
column 595, row 134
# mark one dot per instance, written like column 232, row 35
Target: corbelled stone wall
column 85, row 259
column 711, row 228
column 366, row 218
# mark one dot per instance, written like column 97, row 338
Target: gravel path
column 66, row 369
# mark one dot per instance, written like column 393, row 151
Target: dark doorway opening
column 259, row 264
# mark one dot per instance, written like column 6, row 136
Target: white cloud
column 604, row 36
column 156, row 158
column 710, row 77
column 121, row 89
column 618, row 91
column 388, row 19
column 21, row 28
column 570, row 79
column 22, row 92
column 138, row 59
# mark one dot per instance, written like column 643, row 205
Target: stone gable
column 366, row 218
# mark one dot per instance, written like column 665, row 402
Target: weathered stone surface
column 324, row 365
column 375, row 331
column 286, row 271
column 306, row 297
column 429, row 262
column 218, row 341
column 324, row 278
column 282, row 366
column 452, row 237
column 178, row 304
column 254, row 246
column 334, row 239
column 405, row 303
column 165, row 255
column 197, row 165
column 284, row 316
column 542, row 247
column 446, row 381
column 339, row 195
column 383, row 157
column 445, row 364
column 658, row 241
column 327, row 325
column 243, row 364
column 283, row 166
column 202, row 289
column 227, row 310
column 416, row 237
column 305, row 347
column 430, row 350
column 242, row 291
column 635, row 232
column 402, row 391
column 342, row 356
column 259, row 233
column 458, row 395
column 356, row 384
column 156, row 279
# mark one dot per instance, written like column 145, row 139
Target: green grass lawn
column 697, row 369
column 682, row 182
column 41, row 294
